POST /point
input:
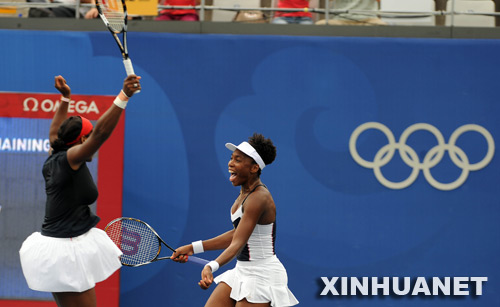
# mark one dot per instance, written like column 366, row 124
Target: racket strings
column 114, row 13
column 136, row 240
column 116, row 20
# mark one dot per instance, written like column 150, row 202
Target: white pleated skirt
column 259, row 281
column 68, row 264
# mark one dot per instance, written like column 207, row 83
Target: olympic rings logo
column 431, row 159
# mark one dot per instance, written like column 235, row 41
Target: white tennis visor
column 247, row 149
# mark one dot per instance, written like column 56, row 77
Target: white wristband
column 64, row 99
column 120, row 103
column 214, row 265
column 198, row 247
column 125, row 94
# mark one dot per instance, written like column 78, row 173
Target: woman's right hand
column 131, row 84
column 62, row 87
column 181, row 254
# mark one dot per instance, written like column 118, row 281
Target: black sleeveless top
column 69, row 195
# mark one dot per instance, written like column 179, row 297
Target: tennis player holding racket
column 259, row 278
column 70, row 255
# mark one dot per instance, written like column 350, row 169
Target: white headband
column 249, row 151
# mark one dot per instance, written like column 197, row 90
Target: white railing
column 326, row 12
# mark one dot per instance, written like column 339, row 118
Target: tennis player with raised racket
column 259, row 278
column 70, row 255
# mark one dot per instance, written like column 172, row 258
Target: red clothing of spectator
column 293, row 4
column 177, row 11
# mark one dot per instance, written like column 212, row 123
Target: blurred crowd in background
column 474, row 13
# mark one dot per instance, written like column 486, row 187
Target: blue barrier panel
column 386, row 162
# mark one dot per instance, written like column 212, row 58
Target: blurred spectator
column 303, row 17
column 91, row 13
column 353, row 18
column 64, row 11
column 14, row 11
column 250, row 17
column 178, row 14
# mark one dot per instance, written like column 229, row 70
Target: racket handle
column 197, row 260
column 130, row 70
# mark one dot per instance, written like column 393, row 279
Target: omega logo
column 32, row 104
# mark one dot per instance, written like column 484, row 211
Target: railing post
column 452, row 13
column 77, row 9
column 202, row 10
column 327, row 11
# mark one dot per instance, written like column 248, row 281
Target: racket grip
column 197, row 260
column 130, row 70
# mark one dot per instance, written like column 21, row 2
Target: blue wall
column 308, row 94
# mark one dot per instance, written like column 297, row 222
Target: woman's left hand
column 207, row 278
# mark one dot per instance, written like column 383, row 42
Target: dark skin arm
column 259, row 208
column 62, row 110
column 82, row 152
column 254, row 209
column 231, row 241
column 220, row 242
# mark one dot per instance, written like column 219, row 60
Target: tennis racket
column 139, row 243
column 114, row 15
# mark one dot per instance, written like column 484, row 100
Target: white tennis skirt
column 259, row 281
column 68, row 264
